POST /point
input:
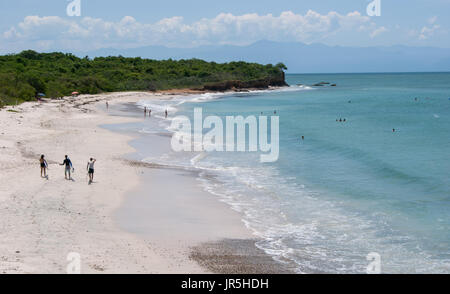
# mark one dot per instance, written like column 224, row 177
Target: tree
column 281, row 66
column 25, row 74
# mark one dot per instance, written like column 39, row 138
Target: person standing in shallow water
column 167, row 113
column 44, row 166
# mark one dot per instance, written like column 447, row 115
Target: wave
column 312, row 232
column 298, row 223
column 172, row 105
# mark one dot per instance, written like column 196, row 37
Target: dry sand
column 43, row 220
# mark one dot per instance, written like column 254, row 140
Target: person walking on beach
column 44, row 166
column 107, row 105
column 90, row 169
column 167, row 113
column 145, row 111
column 68, row 167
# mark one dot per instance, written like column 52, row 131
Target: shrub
column 24, row 75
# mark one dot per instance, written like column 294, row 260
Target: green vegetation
column 24, row 75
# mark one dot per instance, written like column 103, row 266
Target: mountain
column 303, row 58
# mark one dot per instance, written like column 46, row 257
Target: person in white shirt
column 90, row 169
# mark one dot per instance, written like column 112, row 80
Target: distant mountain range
column 303, row 58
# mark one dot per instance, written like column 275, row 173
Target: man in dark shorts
column 90, row 169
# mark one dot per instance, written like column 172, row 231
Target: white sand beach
column 43, row 220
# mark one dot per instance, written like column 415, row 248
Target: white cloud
column 427, row 32
column 90, row 33
column 378, row 31
column 432, row 20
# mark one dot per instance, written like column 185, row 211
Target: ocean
column 378, row 182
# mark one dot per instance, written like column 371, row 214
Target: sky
column 45, row 25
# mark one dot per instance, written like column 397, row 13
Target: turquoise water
column 349, row 188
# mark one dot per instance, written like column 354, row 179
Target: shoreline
column 45, row 220
column 168, row 92
column 204, row 228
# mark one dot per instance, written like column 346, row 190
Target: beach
column 340, row 192
column 131, row 219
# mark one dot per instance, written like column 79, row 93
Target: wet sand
column 171, row 209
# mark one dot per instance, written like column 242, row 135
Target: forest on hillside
column 23, row 76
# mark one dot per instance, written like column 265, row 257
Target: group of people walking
column 68, row 168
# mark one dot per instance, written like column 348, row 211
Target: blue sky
column 45, row 26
